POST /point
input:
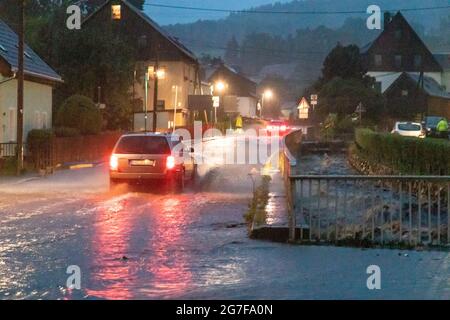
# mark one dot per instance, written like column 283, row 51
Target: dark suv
column 139, row 157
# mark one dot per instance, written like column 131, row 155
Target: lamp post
column 20, row 86
column 155, row 74
column 219, row 87
column 267, row 94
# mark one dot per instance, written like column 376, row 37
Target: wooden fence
column 63, row 150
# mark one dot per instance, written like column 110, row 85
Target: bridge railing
column 408, row 210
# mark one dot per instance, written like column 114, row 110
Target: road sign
column 314, row 98
column 216, row 101
column 360, row 108
column 303, row 109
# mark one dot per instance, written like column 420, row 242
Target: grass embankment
column 256, row 212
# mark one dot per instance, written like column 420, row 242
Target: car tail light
column 170, row 162
column 113, row 162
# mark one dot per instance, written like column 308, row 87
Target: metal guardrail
column 409, row 210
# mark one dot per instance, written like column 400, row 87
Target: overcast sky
column 170, row 16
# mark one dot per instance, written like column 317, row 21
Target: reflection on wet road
column 142, row 245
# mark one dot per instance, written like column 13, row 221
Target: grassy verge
column 256, row 212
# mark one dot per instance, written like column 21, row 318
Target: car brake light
column 170, row 162
column 113, row 162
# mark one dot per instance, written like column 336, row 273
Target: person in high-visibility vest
column 239, row 123
column 442, row 128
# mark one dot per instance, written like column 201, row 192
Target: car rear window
column 143, row 145
column 409, row 127
column 432, row 121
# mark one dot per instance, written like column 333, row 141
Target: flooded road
column 145, row 245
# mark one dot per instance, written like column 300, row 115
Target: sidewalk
column 275, row 227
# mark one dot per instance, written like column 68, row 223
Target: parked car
column 430, row 124
column 140, row 157
column 409, row 129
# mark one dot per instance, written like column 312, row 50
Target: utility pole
column 155, row 91
column 20, row 86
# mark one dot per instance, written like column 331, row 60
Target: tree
column 80, row 113
column 343, row 62
column 341, row 96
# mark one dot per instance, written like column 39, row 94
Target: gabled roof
column 398, row 18
column 430, row 86
column 152, row 23
column 34, row 65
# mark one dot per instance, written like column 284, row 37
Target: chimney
column 387, row 19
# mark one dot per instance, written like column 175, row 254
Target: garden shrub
column 404, row 154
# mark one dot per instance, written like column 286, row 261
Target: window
column 404, row 93
column 398, row 34
column 377, row 86
column 417, row 61
column 143, row 145
column 378, row 60
column 116, row 12
column 142, row 41
column 398, row 61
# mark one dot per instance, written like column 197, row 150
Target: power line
column 287, row 12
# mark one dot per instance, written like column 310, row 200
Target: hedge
column 404, row 154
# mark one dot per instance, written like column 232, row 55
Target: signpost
column 303, row 109
column 216, row 104
column 359, row 110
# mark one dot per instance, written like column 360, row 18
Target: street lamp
column 219, row 88
column 267, row 95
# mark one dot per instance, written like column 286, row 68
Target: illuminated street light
column 267, row 95
column 161, row 73
column 220, row 86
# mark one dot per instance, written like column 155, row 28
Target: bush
column 403, row 154
column 66, row 132
column 39, row 139
column 80, row 113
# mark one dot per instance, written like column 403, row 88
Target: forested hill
column 241, row 24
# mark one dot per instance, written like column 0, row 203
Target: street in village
column 141, row 244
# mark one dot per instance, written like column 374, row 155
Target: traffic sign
column 216, row 101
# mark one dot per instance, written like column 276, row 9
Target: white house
column 40, row 80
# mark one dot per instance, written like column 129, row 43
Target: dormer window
column 2, row 48
column 116, row 12
column 398, row 34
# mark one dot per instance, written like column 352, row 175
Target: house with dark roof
column 399, row 49
column 157, row 50
column 40, row 80
column 413, row 93
column 238, row 94
column 404, row 68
